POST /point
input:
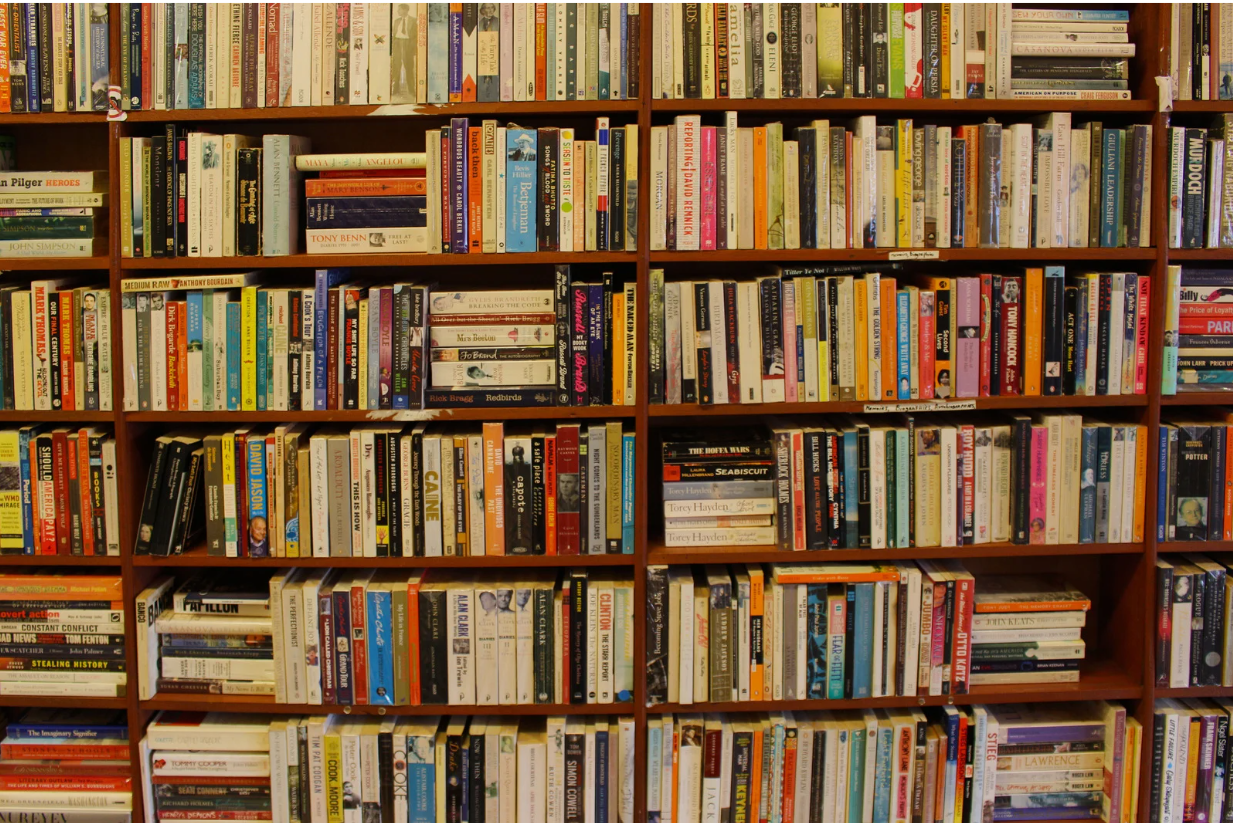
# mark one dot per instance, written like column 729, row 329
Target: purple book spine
column 595, row 343
column 458, row 185
column 1061, row 732
column 967, row 323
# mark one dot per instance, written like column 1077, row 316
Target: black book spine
column 385, row 771
column 69, row 62
column 832, row 314
column 1198, row 601
column 351, row 350
column 1164, row 622
column 381, row 500
column 1021, row 479
column 475, row 783
column 864, row 50
column 549, row 156
column 849, row 12
column 691, row 40
column 932, row 45
column 187, row 524
column 248, row 202
column 657, row 628
column 248, row 54
column 1193, row 203
column 655, row 353
column 538, row 502
column 517, row 501
column 616, row 191
column 770, row 293
column 1159, row 723
column 1103, row 317
column 167, row 495
column 133, row 46
column 434, row 684
column 880, row 54
column 167, row 194
column 6, row 323
column 601, row 373
column 1140, row 186
column 1069, row 341
column 495, row 398
column 1215, row 513
column 579, row 370
column 1200, row 45
column 807, row 147
column 295, row 348
column 702, row 334
column 790, row 85
column 417, row 493
column 394, row 484
column 864, row 500
column 634, row 56
column 783, row 490
column 543, row 635
column 1069, row 68
column 757, row 41
column 1054, row 332
column 958, row 179
column 816, row 526
column 578, row 639
column 416, row 323
column 732, row 345
column 455, row 778
column 181, row 192
column 1211, row 654
column 158, row 204
column 47, row 57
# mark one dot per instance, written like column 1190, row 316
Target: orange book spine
column 54, row 587
column 541, row 51
column 1141, row 483
column 756, row 610
column 971, row 177
column 475, row 189
column 1034, row 606
column 1033, row 307
column 68, row 385
column 494, row 488
column 890, row 339
column 860, row 312
column 366, row 187
column 759, row 181
column 182, row 353
column 755, row 782
column 788, row 801
column 173, row 353
column 1192, row 766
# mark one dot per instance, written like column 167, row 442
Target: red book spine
column 541, row 51
column 565, row 667
column 197, row 814
column 569, row 525
column 271, row 54
column 961, row 774
column 1011, row 335
column 475, row 189
column 71, row 467
column 1202, row 309
column 964, row 594
column 68, row 398
column 61, row 751
column 331, row 354
column 925, row 345
column 712, row 745
column 59, row 440
column 359, row 647
column 413, row 641
column 550, row 495
column 65, row 783
column 209, row 780
column 171, row 344
column 986, row 334
column 798, row 491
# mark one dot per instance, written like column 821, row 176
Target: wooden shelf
column 64, row 417
column 1098, row 680
column 1008, row 256
column 658, row 554
column 1215, row 255
column 858, row 407
column 55, row 263
column 240, row 703
column 1194, row 691
column 275, row 418
column 37, row 560
column 197, row 558
column 872, row 105
column 1202, row 106
column 1199, row 397
column 53, row 118
column 540, row 108
column 343, row 261
column 1195, row 546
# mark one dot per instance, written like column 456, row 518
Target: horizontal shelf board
column 1177, row 546
column 858, row 407
column 882, row 255
column 678, row 555
column 1202, row 397
column 1219, row 255
column 59, row 560
column 241, row 703
column 1207, row 106
column 575, row 108
column 1194, row 691
column 62, row 702
column 53, row 118
column 98, row 263
column 870, row 105
column 1099, row 680
column 57, row 416
column 351, row 416
column 342, row 261
column 198, row 558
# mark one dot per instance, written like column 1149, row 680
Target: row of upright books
column 391, row 638
column 949, row 51
column 63, row 635
column 392, row 491
column 844, row 333
column 51, row 213
column 1044, row 479
column 54, row 57
column 253, row 55
column 1190, row 758
column 66, row 764
column 1200, row 207
column 905, row 185
column 729, row 634
column 226, row 343
column 416, row 769
column 1200, row 52
column 1194, row 492
column 1192, row 621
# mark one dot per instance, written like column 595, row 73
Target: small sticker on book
column 924, row 405
column 913, row 254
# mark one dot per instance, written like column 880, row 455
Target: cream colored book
column 791, row 195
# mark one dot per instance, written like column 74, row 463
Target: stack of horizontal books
column 53, row 213
column 719, row 488
column 1027, row 629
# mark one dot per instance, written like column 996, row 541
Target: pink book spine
column 937, row 649
column 967, row 363
column 790, row 376
column 1040, row 483
column 986, row 335
column 507, row 52
column 1144, row 318
column 967, row 451
column 708, row 188
column 925, row 345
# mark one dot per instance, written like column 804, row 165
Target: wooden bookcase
column 1119, row 577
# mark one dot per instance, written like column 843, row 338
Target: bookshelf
column 1119, row 577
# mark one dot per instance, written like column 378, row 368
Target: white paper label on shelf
column 404, row 415
column 923, row 405
column 1164, row 93
column 913, row 254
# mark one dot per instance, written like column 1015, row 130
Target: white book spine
column 1060, row 124
column 296, row 667
column 158, row 352
column 302, row 25
column 525, row 625
column 378, row 31
column 357, row 66
column 501, row 131
column 660, row 136
column 958, row 54
column 736, row 54
column 772, row 52
column 719, row 350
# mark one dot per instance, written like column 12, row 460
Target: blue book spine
column 818, row 640
column 862, row 660
column 53, row 731
column 421, row 781
column 595, row 343
column 903, row 306
column 856, row 774
column 455, row 70
column 624, row 51
column 258, row 532
column 655, row 766
column 344, row 683
column 952, row 753
column 263, row 322
column 521, row 189
column 233, row 355
column 627, row 493
column 195, row 333
column 851, row 524
column 196, row 56
column 602, row 754
column 34, row 98
column 882, row 776
column 27, row 491
column 1162, row 480
column 458, row 185
column 380, row 648
column 836, row 617
column 464, row 760
column 134, row 65
column 1110, row 204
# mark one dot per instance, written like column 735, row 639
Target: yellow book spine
column 248, row 348
column 860, row 312
column 618, row 353
column 903, row 184
column 11, row 533
column 333, row 778
column 613, row 485
column 944, row 56
column 1033, row 303
column 364, row 354
column 126, row 197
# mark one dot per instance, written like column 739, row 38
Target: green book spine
column 896, row 51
